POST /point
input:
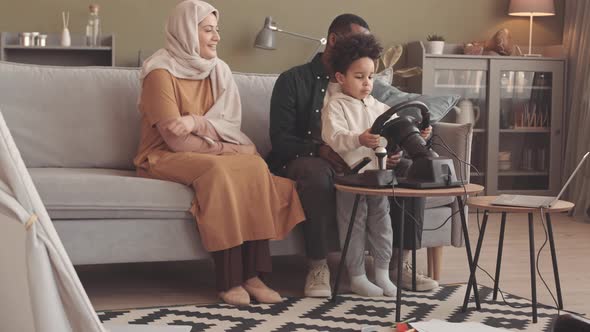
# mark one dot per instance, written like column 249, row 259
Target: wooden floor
column 159, row 284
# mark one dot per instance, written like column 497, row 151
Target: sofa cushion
column 71, row 116
column 100, row 241
column 255, row 92
column 83, row 117
column 71, row 193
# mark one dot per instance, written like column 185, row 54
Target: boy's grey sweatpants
column 372, row 230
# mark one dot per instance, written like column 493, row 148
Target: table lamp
column 266, row 37
column 531, row 8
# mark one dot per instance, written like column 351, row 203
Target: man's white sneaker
column 423, row 283
column 317, row 283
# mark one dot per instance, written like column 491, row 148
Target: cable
column 487, row 273
column 462, row 185
column 461, row 178
column 537, row 260
column 537, row 267
column 416, row 222
column 441, row 225
column 444, row 145
column 409, row 214
column 403, row 209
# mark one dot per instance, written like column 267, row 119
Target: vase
column 66, row 39
column 466, row 112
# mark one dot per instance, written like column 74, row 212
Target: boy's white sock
column 362, row 286
column 382, row 280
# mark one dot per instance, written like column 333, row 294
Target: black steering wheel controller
column 404, row 131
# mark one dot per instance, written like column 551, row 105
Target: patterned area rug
column 351, row 313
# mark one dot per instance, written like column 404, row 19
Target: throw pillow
column 386, row 75
column 439, row 105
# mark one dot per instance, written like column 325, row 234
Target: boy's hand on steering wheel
column 426, row 132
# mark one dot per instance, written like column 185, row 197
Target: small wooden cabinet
column 518, row 109
column 78, row 54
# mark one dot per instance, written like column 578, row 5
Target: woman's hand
column 182, row 126
column 426, row 132
column 246, row 149
column 369, row 140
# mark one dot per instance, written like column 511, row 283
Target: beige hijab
column 181, row 58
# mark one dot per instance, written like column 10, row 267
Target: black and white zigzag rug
column 351, row 313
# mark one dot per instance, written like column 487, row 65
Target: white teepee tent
column 57, row 299
column 42, row 294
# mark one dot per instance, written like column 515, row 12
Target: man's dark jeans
column 414, row 207
column 315, row 185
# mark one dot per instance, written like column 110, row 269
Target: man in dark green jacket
column 299, row 153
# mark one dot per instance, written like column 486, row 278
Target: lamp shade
column 265, row 39
column 531, row 8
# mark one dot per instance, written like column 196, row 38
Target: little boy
column 346, row 122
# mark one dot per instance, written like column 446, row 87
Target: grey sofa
column 77, row 130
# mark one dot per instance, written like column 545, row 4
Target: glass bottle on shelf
column 93, row 27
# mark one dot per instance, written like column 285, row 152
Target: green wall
column 138, row 24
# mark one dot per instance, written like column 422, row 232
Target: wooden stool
column 485, row 203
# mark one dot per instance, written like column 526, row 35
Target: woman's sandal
column 237, row 296
column 259, row 291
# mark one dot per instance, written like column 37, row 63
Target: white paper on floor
column 436, row 325
column 145, row 328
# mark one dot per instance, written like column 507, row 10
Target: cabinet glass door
column 524, row 130
column 471, row 85
column 526, row 107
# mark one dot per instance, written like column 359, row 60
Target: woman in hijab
column 190, row 133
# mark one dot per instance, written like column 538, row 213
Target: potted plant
column 435, row 44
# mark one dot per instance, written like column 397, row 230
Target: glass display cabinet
column 515, row 104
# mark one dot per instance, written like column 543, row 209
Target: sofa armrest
column 457, row 138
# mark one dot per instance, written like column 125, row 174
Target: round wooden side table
column 459, row 192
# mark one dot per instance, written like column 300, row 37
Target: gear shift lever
column 381, row 152
column 371, row 178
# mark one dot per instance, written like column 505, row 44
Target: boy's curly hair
column 351, row 48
